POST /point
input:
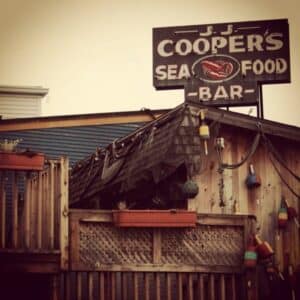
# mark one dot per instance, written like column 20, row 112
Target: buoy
column 282, row 216
column 292, row 213
column 263, row 248
column 250, row 256
column 203, row 130
column 252, row 180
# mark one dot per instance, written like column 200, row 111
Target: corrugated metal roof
column 74, row 142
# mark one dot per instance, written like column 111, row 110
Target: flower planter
column 154, row 218
column 21, row 161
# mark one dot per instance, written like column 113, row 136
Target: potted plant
column 11, row 159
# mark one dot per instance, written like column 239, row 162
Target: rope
column 247, row 156
column 277, row 156
column 282, row 179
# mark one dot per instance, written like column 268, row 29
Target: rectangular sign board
column 222, row 63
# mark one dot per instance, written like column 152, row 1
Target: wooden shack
column 152, row 216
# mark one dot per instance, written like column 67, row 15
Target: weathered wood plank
column 102, row 286
column 156, row 246
column 15, row 221
column 64, row 206
column 147, row 286
column 2, row 210
column 78, row 286
column 179, row 286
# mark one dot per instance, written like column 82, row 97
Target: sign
column 222, row 64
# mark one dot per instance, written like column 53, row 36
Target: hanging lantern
column 282, row 216
column 263, row 248
column 252, row 180
column 250, row 256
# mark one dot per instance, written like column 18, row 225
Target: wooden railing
column 34, row 209
column 205, row 262
column 152, row 285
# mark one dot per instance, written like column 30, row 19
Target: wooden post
column 64, row 210
column 2, row 209
column 15, row 210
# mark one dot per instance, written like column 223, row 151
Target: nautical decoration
column 250, row 256
column 263, row 248
column 282, row 216
column 292, row 213
column 252, row 180
column 203, row 130
column 190, row 189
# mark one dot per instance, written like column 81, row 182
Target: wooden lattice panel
column 102, row 243
column 203, row 245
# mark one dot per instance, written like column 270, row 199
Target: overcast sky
column 96, row 56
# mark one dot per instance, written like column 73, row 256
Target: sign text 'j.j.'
column 221, row 64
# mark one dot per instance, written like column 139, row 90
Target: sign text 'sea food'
column 221, row 63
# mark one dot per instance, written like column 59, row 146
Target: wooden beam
column 77, row 120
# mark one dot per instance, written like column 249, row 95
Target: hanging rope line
column 247, row 155
column 282, row 179
column 277, row 156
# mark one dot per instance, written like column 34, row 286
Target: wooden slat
column 147, row 286
column 156, row 246
column 169, row 287
column 27, row 207
column 15, row 222
column 222, row 287
column 33, row 211
column 190, row 287
column 113, row 286
column 39, row 211
column 64, row 223
column 101, row 286
column 67, row 281
column 2, row 210
column 55, row 287
column 124, row 285
column 233, row 287
column 157, row 286
column 201, row 286
column 179, row 286
column 78, row 286
column 135, row 286
column 90, row 285
column 51, row 205
column 212, row 287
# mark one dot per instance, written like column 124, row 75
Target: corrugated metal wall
column 74, row 142
column 15, row 106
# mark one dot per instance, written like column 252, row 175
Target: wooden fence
column 34, row 210
column 204, row 262
column 152, row 285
